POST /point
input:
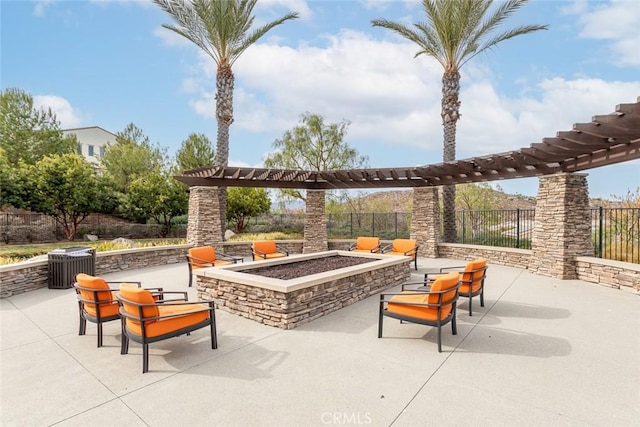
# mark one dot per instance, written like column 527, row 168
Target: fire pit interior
column 308, row 293
column 309, row 266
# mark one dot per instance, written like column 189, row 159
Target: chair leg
column 482, row 297
column 83, row 325
column 145, row 358
column 470, row 302
column 380, row 316
column 124, row 342
column 190, row 277
column 214, row 334
column 439, row 327
column 454, row 327
column 99, row 334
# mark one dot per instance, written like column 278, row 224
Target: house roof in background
column 86, row 128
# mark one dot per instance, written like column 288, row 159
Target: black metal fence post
column 396, row 223
column 518, row 228
column 351, row 225
column 600, row 232
column 463, row 227
column 373, row 223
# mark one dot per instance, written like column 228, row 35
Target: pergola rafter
column 607, row 139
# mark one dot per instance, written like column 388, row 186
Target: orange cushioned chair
column 472, row 279
column 145, row 320
column 267, row 249
column 405, row 247
column 366, row 244
column 97, row 301
column 435, row 307
column 206, row 256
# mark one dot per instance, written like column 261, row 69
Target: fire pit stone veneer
column 287, row 304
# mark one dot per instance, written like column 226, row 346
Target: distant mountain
column 400, row 200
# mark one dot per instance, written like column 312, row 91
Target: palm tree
column 456, row 31
column 222, row 29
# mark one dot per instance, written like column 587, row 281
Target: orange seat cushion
column 366, row 244
column 442, row 283
column 184, row 314
column 475, row 278
column 109, row 307
column 275, row 255
column 419, row 312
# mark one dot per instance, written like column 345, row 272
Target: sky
column 109, row 63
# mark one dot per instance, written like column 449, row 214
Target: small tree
column 315, row 146
column 28, row 134
column 244, row 203
column 157, row 196
column 130, row 157
column 477, row 199
column 66, row 188
column 196, row 151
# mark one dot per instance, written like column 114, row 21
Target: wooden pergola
column 605, row 140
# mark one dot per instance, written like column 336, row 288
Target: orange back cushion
column 442, row 283
column 140, row 296
column 404, row 245
column 476, row 277
column 92, row 282
column 206, row 253
column 367, row 243
column 265, row 246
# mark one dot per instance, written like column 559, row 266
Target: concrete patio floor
column 542, row 352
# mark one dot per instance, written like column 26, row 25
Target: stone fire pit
column 289, row 303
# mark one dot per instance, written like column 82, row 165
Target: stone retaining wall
column 494, row 254
column 617, row 274
column 30, row 275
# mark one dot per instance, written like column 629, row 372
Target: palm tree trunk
column 224, row 115
column 450, row 116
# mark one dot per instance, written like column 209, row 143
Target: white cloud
column 616, row 21
column 170, row 38
column 40, row 7
column 392, row 99
column 299, row 6
column 68, row 116
column 491, row 123
column 275, row 84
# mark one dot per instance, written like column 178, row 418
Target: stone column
column 315, row 223
column 562, row 228
column 425, row 221
column 203, row 227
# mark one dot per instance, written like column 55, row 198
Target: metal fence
column 509, row 228
column 616, row 231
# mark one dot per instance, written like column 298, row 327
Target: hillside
column 400, row 200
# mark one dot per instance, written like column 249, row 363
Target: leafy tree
column 13, row 191
column 479, row 196
column 157, row 196
column 315, row 146
column 66, row 188
column 244, row 203
column 130, row 157
column 196, row 151
column 476, row 200
column 222, row 29
column 454, row 32
column 28, row 134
